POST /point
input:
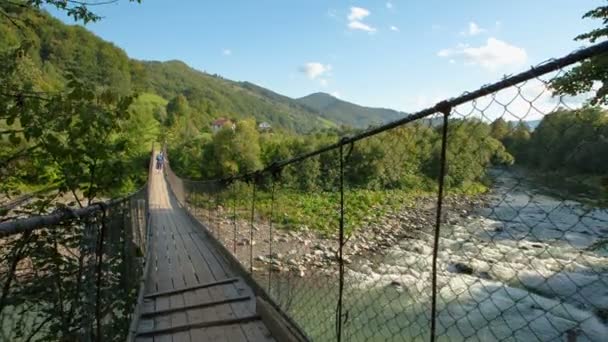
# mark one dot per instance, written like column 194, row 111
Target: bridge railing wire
column 73, row 274
column 438, row 226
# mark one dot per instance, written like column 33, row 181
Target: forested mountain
column 347, row 113
column 212, row 96
column 58, row 49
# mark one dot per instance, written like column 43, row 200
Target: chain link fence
column 74, row 274
column 469, row 220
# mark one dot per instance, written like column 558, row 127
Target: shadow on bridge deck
column 191, row 294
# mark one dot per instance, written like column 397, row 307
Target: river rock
column 276, row 268
column 460, row 267
column 261, row 258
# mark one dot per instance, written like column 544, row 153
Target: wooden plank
column 195, row 258
column 199, row 273
column 167, row 273
column 199, row 294
column 257, row 331
column 244, row 309
column 192, row 288
column 175, row 269
column 150, row 284
column 196, row 306
column 191, row 285
column 206, row 274
column 202, row 324
column 218, row 269
column 217, row 264
column 163, row 282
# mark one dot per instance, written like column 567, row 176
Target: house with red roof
column 221, row 123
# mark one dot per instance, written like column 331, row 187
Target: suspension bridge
column 184, row 260
column 191, row 292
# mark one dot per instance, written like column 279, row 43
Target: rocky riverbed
column 304, row 251
column 515, row 264
column 524, row 266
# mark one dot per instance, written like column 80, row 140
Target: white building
column 221, row 123
column 264, row 126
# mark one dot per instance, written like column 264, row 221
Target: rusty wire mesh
column 74, row 274
column 429, row 228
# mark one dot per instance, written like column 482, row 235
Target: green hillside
column 347, row 113
column 58, row 49
column 212, row 96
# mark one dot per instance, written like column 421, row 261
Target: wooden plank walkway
column 191, row 294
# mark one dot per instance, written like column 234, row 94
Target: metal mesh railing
column 445, row 225
column 73, row 275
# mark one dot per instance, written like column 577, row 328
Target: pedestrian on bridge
column 159, row 161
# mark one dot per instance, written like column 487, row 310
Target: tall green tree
column 78, row 10
column 499, row 129
column 233, row 151
column 177, row 107
column 572, row 141
column 67, row 131
column 591, row 72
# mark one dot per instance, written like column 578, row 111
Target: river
column 527, row 266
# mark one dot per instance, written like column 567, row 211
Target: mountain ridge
column 348, row 113
column 59, row 49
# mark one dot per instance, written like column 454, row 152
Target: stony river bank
column 515, row 264
column 306, row 251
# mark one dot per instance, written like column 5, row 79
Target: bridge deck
column 191, row 294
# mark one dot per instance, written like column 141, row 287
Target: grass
column 320, row 210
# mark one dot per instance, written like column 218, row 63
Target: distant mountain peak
column 346, row 113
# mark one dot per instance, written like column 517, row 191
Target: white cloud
column 389, row 5
column 355, row 17
column 494, row 54
column 357, row 25
column 227, row 52
column 394, row 28
column 416, row 102
column 335, row 94
column 323, row 82
column 358, row 13
column 473, row 30
column 315, row 69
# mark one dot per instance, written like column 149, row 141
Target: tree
column 470, row 151
column 233, row 151
column 517, row 141
column 499, row 129
column 177, row 107
column 591, row 72
column 246, row 146
column 571, row 141
column 61, row 121
column 78, row 10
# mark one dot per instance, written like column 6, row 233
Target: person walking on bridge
column 159, row 161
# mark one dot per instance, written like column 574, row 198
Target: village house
column 264, row 127
column 220, row 123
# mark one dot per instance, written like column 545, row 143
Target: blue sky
column 401, row 54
